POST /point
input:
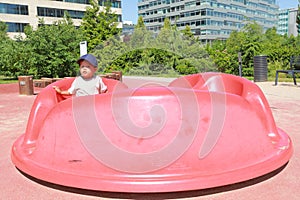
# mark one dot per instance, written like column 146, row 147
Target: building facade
column 287, row 22
column 283, row 20
column 208, row 19
column 18, row 13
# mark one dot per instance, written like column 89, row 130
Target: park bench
column 117, row 75
column 44, row 82
column 294, row 68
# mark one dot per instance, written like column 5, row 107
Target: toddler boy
column 88, row 83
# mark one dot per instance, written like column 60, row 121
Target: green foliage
column 170, row 52
column 187, row 33
column 54, row 48
column 141, row 38
column 251, row 45
column 108, row 51
column 49, row 51
column 185, row 67
column 15, row 55
column 15, row 59
column 251, row 41
column 3, row 29
column 98, row 25
column 151, row 61
column 140, row 23
column 167, row 24
column 167, row 37
column 273, row 66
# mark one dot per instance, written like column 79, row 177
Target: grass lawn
column 6, row 80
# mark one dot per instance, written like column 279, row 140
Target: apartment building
column 208, row 19
column 287, row 22
column 19, row 13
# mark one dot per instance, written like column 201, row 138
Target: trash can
column 25, row 85
column 260, row 68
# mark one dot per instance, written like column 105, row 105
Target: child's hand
column 57, row 89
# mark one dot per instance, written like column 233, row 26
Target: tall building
column 283, row 20
column 19, row 13
column 208, row 19
column 287, row 22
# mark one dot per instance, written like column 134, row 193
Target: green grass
column 6, row 80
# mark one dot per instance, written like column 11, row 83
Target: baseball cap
column 90, row 58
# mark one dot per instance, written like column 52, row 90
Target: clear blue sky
column 287, row 3
column 129, row 8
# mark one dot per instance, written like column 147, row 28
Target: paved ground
column 284, row 100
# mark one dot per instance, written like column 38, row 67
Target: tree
column 108, row 51
column 55, row 48
column 99, row 25
column 272, row 44
column 141, row 37
column 187, row 32
column 221, row 57
column 3, row 31
column 15, row 58
column 248, row 41
column 252, row 46
column 140, row 24
column 15, row 55
column 167, row 37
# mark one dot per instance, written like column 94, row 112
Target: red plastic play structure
column 202, row 131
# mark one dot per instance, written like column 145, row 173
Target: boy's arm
column 59, row 91
column 102, row 87
column 102, row 90
column 66, row 92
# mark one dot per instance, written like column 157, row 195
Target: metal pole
column 240, row 63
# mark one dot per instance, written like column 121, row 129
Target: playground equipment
column 202, row 131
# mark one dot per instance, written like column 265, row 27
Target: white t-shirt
column 83, row 87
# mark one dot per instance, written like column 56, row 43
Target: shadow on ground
column 157, row 196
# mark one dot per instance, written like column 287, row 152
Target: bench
column 294, row 68
column 117, row 75
column 44, row 82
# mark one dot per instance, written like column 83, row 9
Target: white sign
column 83, row 48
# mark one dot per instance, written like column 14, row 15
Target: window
column 16, row 27
column 13, row 9
column 52, row 12
column 114, row 4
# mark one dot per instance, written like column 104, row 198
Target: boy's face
column 87, row 70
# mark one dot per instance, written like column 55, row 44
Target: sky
column 129, row 8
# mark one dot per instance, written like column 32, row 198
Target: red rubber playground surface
column 283, row 183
